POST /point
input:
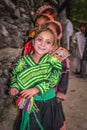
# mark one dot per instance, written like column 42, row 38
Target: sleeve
column 17, row 69
column 64, row 79
column 13, row 83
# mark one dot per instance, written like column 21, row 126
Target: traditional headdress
column 43, row 8
column 59, row 25
column 48, row 15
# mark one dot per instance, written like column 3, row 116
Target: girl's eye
column 39, row 39
column 48, row 42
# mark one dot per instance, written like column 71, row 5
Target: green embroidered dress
column 28, row 74
column 44, row 76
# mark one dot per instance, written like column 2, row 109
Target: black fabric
column 86, row 37
column 86, row 32
column 64, row 79
column 50, row 116
column 85, row 54
column 86, row 44
column 60, row 107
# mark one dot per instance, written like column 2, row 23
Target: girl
column 63, row 55
column 35, row 77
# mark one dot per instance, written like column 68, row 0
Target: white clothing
column 80, row 40
column 69, row 32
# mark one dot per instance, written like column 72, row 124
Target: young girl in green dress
column 34, row 78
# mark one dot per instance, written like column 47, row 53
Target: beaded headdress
column 48, row 15
column 43, row 8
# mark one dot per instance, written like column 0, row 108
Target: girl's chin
column 41, row 53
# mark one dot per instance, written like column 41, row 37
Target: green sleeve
column 13, row 83
column 20, row 65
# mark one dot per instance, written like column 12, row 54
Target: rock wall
column 16, row 19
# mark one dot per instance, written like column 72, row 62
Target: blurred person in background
column 84, row 59
column 79, row 40
column 69, row 32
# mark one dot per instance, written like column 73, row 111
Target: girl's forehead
column 52, row 25
column 45, row 33
column 41, row 18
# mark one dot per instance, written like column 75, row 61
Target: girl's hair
column 58, row 27
column 48, row 17
column 45, row 30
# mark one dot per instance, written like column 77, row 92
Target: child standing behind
column 34, row 78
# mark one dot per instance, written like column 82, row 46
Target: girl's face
column 43, row 43
column 40, row 23
column 53, row 28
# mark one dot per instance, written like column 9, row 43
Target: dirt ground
column 75, row 107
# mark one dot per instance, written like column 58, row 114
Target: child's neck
column 55, row 47
column 36, row 57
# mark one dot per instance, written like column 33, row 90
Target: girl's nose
column 43, row 43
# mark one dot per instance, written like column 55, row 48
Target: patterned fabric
column 27, row 104
column 28, row 74
column 63, row 56
column 61, row 53
column 43, row 8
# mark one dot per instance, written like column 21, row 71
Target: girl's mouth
column 41, row 48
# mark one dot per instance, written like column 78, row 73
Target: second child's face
column 53, row 28
column 43, row 43
column 40, row 23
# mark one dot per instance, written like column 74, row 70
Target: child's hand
column 61, row 96
column 14, row 91
column 29, row 92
